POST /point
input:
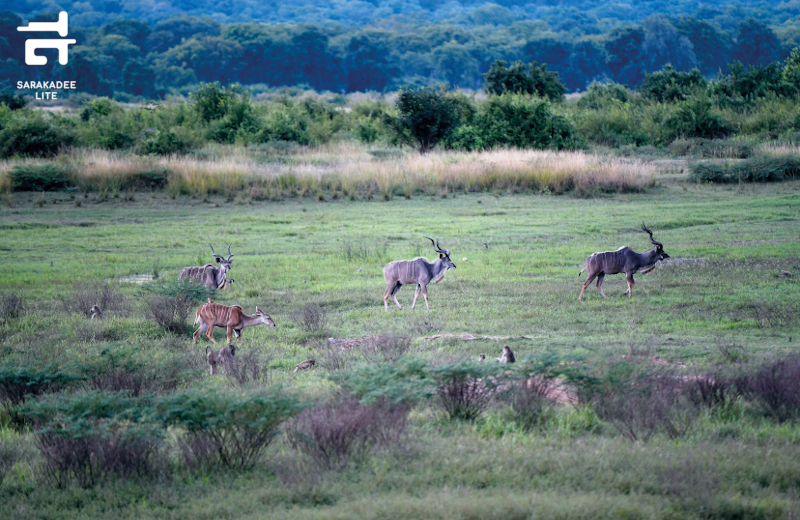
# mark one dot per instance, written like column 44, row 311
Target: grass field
column 721, row 303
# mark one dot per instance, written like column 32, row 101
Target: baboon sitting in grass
column 223, row 356
column 507, row 356
column 96, row 312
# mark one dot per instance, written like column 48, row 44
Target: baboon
column 507, row 356
column 481, row 358
column 96, row 312
column 223, row 355
column 304, row 365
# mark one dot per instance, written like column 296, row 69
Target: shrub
column 464, row 390
column 407, row 381
column 310, row 318
column 12, row 306
column 227, row 427
column 86, row 294
column 11, row 101
column 33, row 137
column 520, row 122
column 9, row 455
column 341, row 430
column 529, row 402
column 19, row 383
column 425, row 117
column 601, row 95
column 169, row 303
column 250, row 369
column 695, row 117
column 89, row 436
column 669, row 84
column 638, row 409
column 40, row 177
column 514, row 79
column 385, row 348
column 165, row 142
column 753, row 169
column 773, row 387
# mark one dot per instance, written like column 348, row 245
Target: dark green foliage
column 523, row 122
column 514, row 79
column 696, row 117
column 18, row 383
column 89, row 436
column 33, row 137
column 40, row 177
column 753, row 169
column 669, row 84
column 426, row 116
column 165, row 142
column 600, row 95
column 212, row 101
column 232, row 428
column 747, row 83
column 169, row 303
column 11, row 101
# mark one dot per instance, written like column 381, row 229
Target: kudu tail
column 583, row 268
column 197, row 318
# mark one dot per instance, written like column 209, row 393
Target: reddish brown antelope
column 208, row 275
column 419, row 271
column 217, row 315
column 623, row 260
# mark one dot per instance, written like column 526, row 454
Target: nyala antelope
column 623, row 260
column 208, row 275
column 418, row 271
column 217, row 315
column 223, row 356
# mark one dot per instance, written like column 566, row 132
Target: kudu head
column 444, row 254
column 264, row 318
column 224, row 264
column 662, row 255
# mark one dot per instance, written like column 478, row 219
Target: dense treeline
column 120, row 56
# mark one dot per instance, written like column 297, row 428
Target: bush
column 89, row 436
column 341, row 430
column 12, row 306
column 516, row 121
column 40, row 177
column 310, row 318
column 33, row 137
column 529, row 402
column 227, row 427
column 86, row 294
column 695, row 117
column 9, row 455
column 169, row 303
column 774, row 389
column 11, row 101
column 425, row 117
column 19, row 383
column 601, row 95
column 250, row 369
column 165, row 142
column 669, row 84
column 514, row 79
column 464, row 389
column 754, row 169
column 385, row 348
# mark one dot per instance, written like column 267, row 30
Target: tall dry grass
column 348, row 169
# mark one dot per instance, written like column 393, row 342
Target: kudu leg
column 600, row 284
column 585, row 285
column 197, row 333
column 425, row 294
column 629, row 276
column 392, row 290
column 209, row 333
column 416, row 295
column 230, row 334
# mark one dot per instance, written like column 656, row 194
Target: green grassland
column 517, row 260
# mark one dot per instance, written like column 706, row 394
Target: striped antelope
column 419, row 271
column 208, row 275
column 217, row 315
column 623, row 260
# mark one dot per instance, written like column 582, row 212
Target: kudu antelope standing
column 623, row 260
column 208, row 275
column 419, row 271
column 217, row 315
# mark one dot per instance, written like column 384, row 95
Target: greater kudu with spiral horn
column 419, row 271
column 623, row 260
column 208, row 275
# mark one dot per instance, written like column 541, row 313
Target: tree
column 426, row 116
column 514, row 79
column 134, row 30
column 664, row 44
column 625, row 61
column 756, row 44
column 669, row 84
column 712, row 47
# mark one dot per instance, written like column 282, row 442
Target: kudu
column 208, row 275
column 217, row 315
column 623, row 260
column 419, row 271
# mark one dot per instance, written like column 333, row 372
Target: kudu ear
column 441, row 255
column 219, row 260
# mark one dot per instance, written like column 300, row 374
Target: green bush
column 514, row 79
column 19, row 383
column 695, row 117
column 600, row 95
column 33, row 137
column 226, row 426
column 669, row 84
column 522, row 122
column 285, row 121
column 40, row 177
column 754, row 169
column 425, row 117
column 165, row 142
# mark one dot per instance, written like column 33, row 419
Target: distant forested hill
column 148, row 47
